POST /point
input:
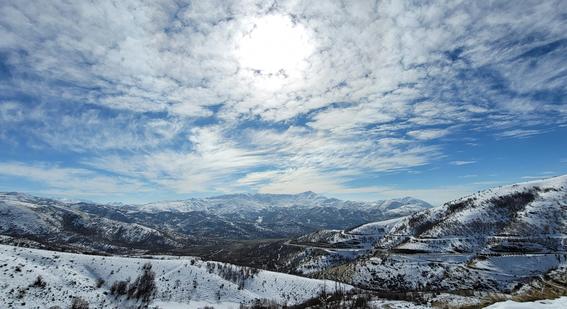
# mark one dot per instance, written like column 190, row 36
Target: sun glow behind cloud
column 273, row 50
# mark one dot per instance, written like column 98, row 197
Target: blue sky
column 138, row 101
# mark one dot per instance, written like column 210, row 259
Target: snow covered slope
column 59, row 224
column 525, row 217
column 540, row 304
column 496, row 239
column 184, row 282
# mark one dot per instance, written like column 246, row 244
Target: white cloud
column 428, row 134
column 533, row 177
column 341, row 119
column 71, row 181
column 299, row 147
column 66, row 127
column 462, row 162
column 209, row 166
column 165, row 57
column 519, row 133
column 10, row 112
column 256, row 178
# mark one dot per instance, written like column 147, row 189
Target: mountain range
column 504, row 243
column 180, row 225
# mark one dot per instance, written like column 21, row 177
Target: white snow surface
column 376, row 228
column 559, row 303
column 182, row 282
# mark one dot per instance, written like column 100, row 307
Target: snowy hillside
column 62, row 226
column 188, row 282
column 540, row 304
column 496, row 239
column 525, row 217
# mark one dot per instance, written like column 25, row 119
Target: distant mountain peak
column 308, row 194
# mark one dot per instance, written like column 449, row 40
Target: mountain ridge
column 180, row 224
column 263, row 201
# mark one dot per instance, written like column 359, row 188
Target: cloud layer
column 186, row 97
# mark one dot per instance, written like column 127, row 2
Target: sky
column 138, row 101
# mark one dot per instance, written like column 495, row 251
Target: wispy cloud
column 71, row 181
column 210, row 166
column 533, row 177
column 428, row 134
column 462, row 162
column 519, row 133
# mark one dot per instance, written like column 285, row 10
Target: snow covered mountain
column 499, row 239
column 253, row 216
column 234, row 203
column 31, row 278
column 529, row 217
column 169, row 226
column 61, row 226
